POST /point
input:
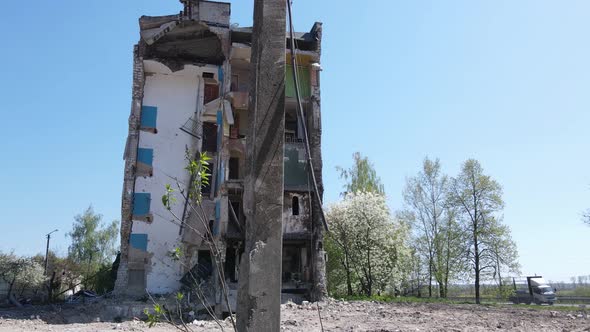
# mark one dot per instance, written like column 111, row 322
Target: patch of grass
column 580, row 291
column 485, row 302
column 400, row 299
column 548, row 307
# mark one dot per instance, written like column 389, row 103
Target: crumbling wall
column 194, row 230
column 130, row 157
column 314, row 123
column 296, row 219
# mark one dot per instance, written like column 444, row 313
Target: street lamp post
column 47, row 250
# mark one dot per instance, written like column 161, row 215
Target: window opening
column 234, row 168
column 295, row 205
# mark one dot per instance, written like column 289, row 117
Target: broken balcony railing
column 193, row 127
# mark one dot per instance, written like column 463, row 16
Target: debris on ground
column 335, row 315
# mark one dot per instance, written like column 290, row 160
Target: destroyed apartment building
column 191, row 83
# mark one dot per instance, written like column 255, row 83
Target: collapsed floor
column 336, row 316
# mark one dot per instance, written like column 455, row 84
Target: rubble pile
column 336, row 315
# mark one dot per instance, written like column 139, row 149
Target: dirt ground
column 336, row 316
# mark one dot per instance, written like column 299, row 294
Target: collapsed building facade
column 191, row 83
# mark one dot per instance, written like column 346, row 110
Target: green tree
column 414, row 277
column 425, row 198
column 478, row 198
column 361, row 177
column 338, row 271
column 438, row 236
column 93, row 243
column 450, row 261
column 504, row 253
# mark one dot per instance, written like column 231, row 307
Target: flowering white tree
column 20, row 274
column 367, row 242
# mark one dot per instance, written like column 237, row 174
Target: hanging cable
column 302, row 115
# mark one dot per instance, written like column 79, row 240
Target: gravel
column 335, row 316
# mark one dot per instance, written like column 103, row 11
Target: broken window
column 235, row 206
column 234, row 226
column 290, row 125
column 291, row 264
column 234, row 168
column 230, row 264
column 209, row 137
column 295, row 205
column 204, row 265
column 210, row 230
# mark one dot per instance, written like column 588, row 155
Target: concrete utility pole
column 47, row 250
column 259, row 298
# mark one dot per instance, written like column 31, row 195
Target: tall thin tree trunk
column 446, row 277
column 475, row 243
column 348, row 282
column 10, row 287
column 476, row 258
column 369, row 276
column 348, row 272
column 499, row 274
column 430, row 274
column 447, row 264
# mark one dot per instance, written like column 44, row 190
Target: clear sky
column 505, row 82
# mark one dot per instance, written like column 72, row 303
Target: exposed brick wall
column 130, row 167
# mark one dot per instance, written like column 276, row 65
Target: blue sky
column 505, row 82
